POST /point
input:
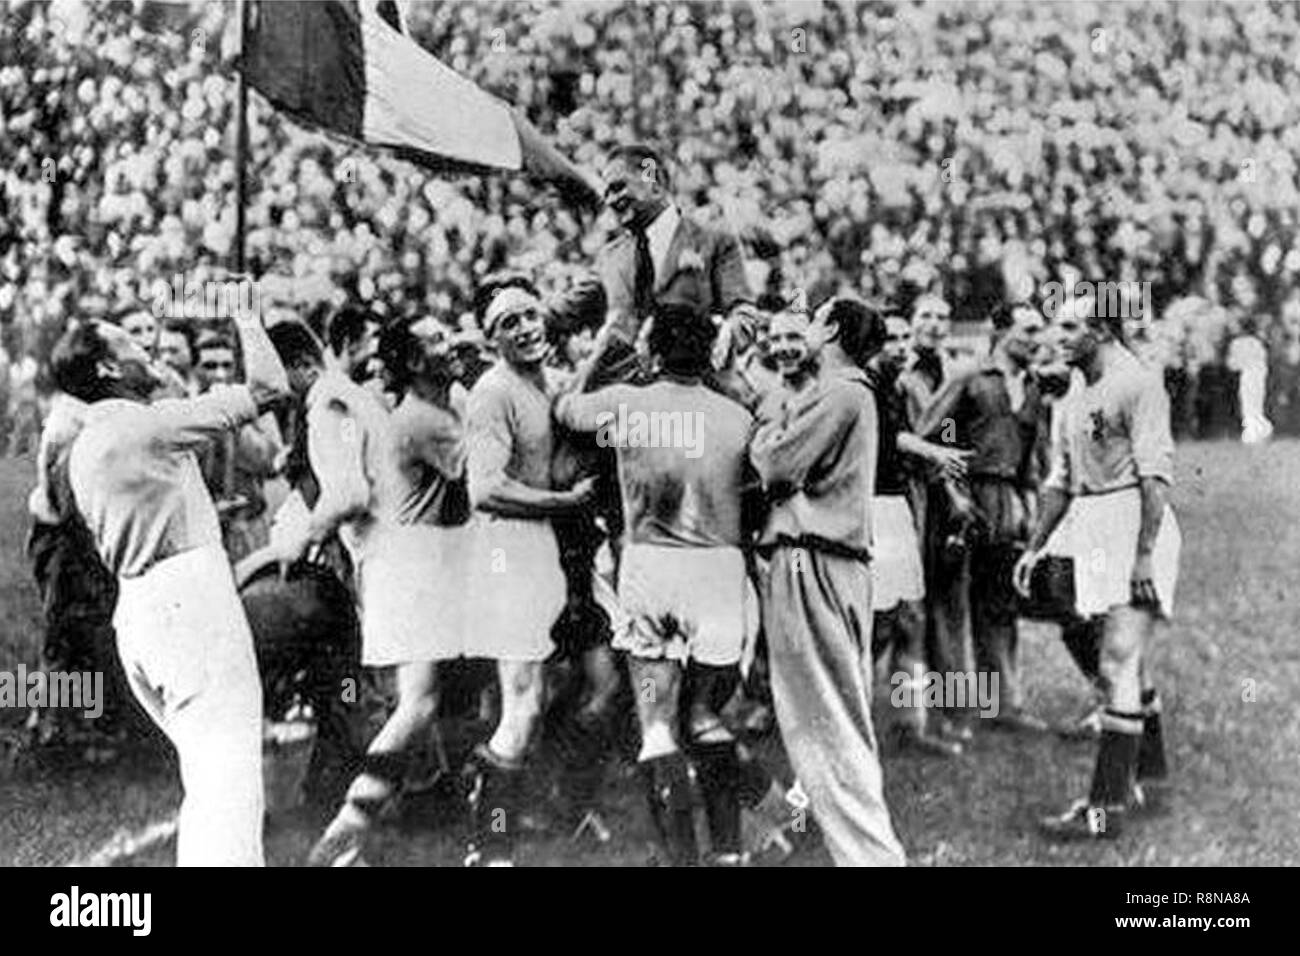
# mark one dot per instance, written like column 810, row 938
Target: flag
column 347, row 66
column 163, row 16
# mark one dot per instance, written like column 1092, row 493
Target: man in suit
column 661, row 257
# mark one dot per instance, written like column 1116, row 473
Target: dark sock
column 493, row 803
column 388, row 767
column 1151, row 762
column 1112, row 777
column 580, row 743
column 755, row 781
column 668, row 795
column 718, row 769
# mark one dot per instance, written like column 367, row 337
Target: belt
column 1086, row 493
column 814, row 542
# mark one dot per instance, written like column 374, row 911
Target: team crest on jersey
column 1098, row 420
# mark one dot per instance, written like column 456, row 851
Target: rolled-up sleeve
column 1153, row 441
column 192, row 422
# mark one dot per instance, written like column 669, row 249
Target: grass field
column 1235, row 796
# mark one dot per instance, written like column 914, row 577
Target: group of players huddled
column 707, row 508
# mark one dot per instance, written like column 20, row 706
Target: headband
column 512, row 299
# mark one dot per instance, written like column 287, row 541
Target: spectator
column 176, row 352
column 1248, row 357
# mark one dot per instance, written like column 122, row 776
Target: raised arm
column 263, row 371
column 335, row 446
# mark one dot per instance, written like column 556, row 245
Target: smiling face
column 633, row 191
column 931, row 322
column 1077, row 338
column 787, row 344
column 437, row 362
column 517, row 320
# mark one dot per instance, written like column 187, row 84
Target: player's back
column 682, row 458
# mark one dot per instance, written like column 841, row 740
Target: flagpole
column 241, row 137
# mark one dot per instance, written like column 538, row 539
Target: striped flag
column 347, row 66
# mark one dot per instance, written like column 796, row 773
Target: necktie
column 644, row 285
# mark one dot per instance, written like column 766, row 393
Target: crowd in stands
column 888, row 149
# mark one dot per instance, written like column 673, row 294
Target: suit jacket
column 703, row 268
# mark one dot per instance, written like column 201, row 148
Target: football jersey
column 1112, row 433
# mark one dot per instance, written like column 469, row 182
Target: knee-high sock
column 718, row 769
column 580, row 741
column 494, row 802
column 754, row 779
column 1116, row 762
column 1151, row 762
column 668, row 796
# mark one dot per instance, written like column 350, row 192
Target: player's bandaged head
column 507, row 302
column 493, row 285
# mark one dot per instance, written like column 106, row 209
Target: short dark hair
column 862, row 329
column 682, row 337
column 75, row 360
column 496, row 283
column 1003, row 315
column 397, row 345
column 582, row 307
column 348, row 325
column 637, row 154
column 184, row 329
column 296, row 345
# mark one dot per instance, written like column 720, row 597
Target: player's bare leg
column 902, row 629
column 496, row 772
column 716, row 757
column 1113, row 793
column 383, row 768
column 656, row 687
